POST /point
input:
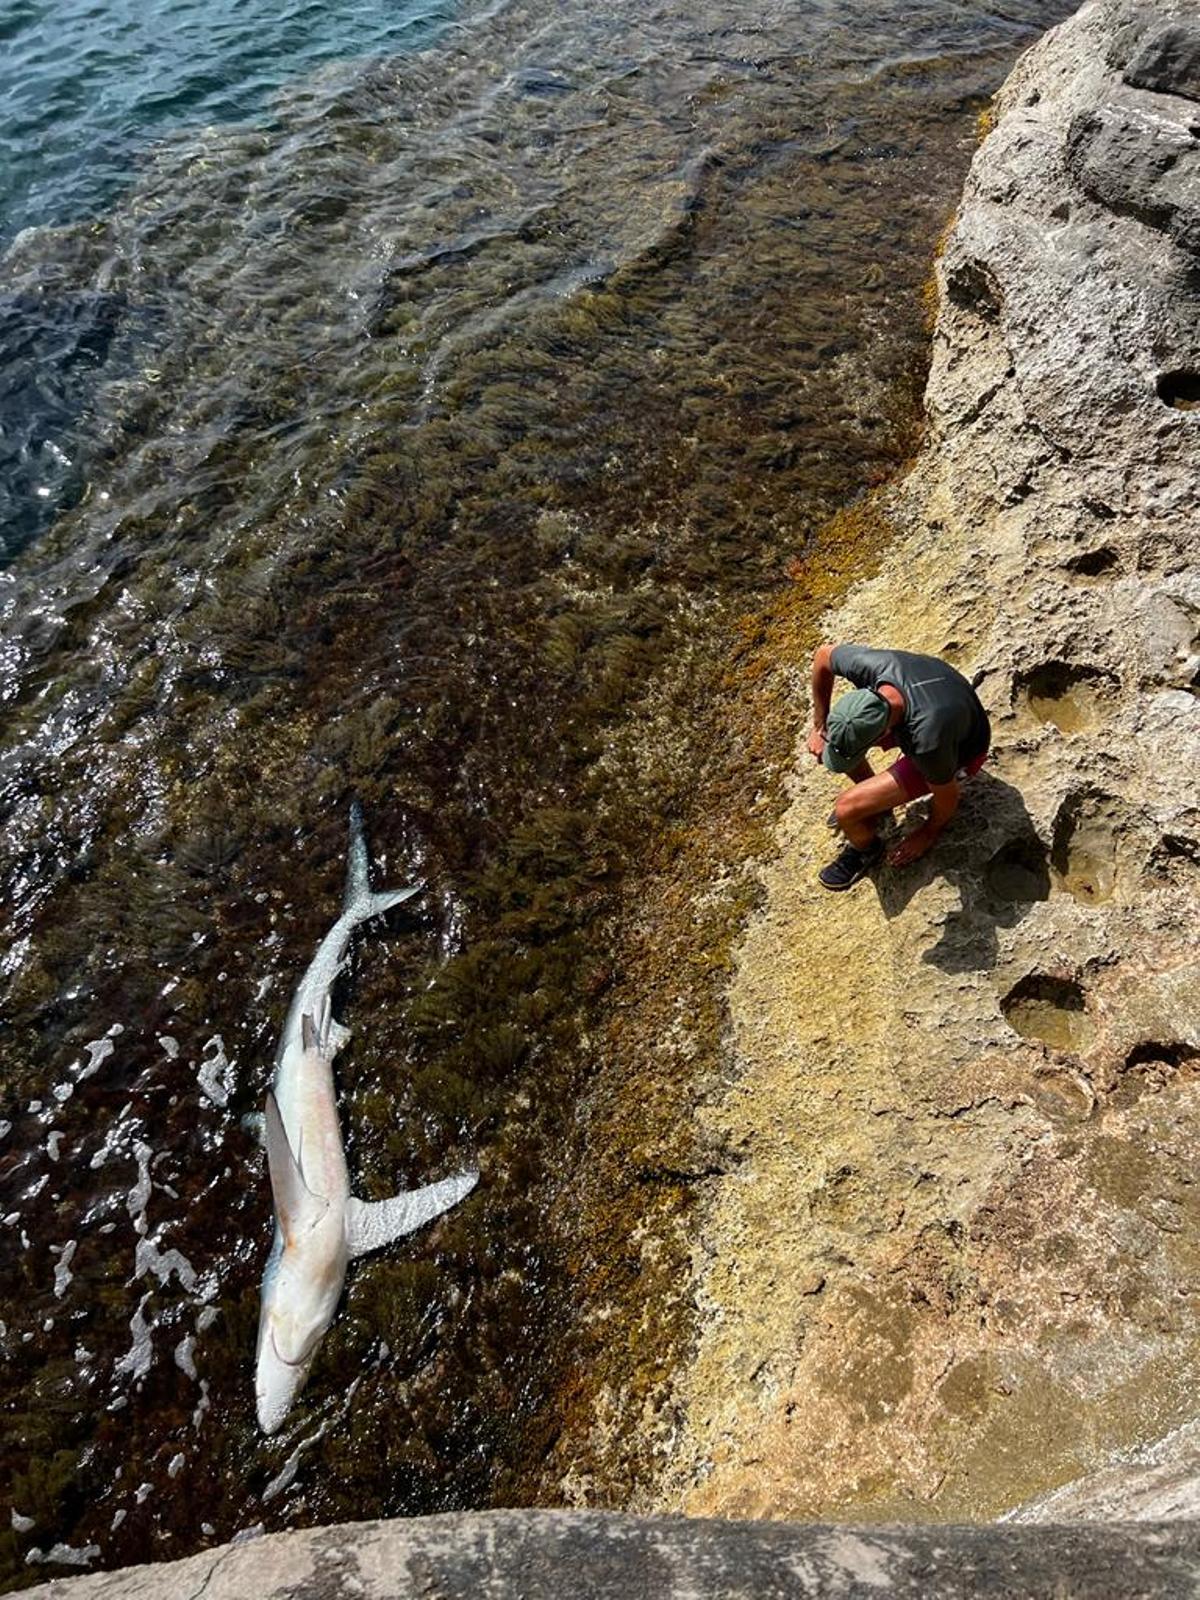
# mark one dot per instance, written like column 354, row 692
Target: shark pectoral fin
column 296, row 1207
column 372, row 1224
column 338, row 1034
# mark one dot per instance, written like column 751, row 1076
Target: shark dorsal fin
column 372, row 1224
column 308, row 1032
column 296, row 1207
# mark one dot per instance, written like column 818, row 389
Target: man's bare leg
column 860, row 807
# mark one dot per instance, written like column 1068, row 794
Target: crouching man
column 917, row 702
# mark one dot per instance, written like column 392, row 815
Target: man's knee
column 853, row 805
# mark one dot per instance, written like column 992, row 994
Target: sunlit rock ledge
column 955, row 1264
column 954, row 1271
column 542, row 1555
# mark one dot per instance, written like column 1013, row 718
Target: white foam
column 99, row 1051
column 62, row 1092
column 215, row 1074
column 175, row 1465
column 137, row 1361
column 170, row 1046
column 138, row 1197
column 202, row 1404
column 54, row 1142
column 62, row 1270
column 5, row 1128
column 286, row 1476
column 21, row 1524
column 118, row 1519
column 63, row 1555
column 159, row 1263
column 207, row 1288
column 143, row 1492
column 114, row 1139
column 183, row 1356
column 206, row 1319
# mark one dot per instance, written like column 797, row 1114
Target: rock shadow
column 993, row 856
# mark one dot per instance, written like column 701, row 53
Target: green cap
column 855, row 724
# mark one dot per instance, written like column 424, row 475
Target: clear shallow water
column 87, row 85
column 428, row 436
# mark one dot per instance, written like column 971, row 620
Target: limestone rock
column 969, row 1091
column 541, row 1555
column 1168, row 60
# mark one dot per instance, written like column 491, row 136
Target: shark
column 320, row 1227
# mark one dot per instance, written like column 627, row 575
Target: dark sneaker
column 851, row 865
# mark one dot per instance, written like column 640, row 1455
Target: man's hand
column 816, row 742
column 913, row 847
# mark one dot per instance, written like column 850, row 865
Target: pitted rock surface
column 957, row 1265
column 1168, row 60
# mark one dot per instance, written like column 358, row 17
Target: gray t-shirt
column 944, row 726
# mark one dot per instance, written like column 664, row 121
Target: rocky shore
column 948, row 1265
column 958, row 1261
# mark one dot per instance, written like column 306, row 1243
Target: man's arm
column 822, row 691
column 945, row 804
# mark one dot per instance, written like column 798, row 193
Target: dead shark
column 319, row 1225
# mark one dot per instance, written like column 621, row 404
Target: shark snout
column 277, row 1382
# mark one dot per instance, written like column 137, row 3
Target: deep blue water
column 86, row 85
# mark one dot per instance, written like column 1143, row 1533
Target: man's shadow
column 992, row 854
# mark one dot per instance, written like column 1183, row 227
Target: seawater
column 86, row 90
column 415, row 428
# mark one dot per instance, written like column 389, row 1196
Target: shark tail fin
column 359, row 902
column 372, row 1224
